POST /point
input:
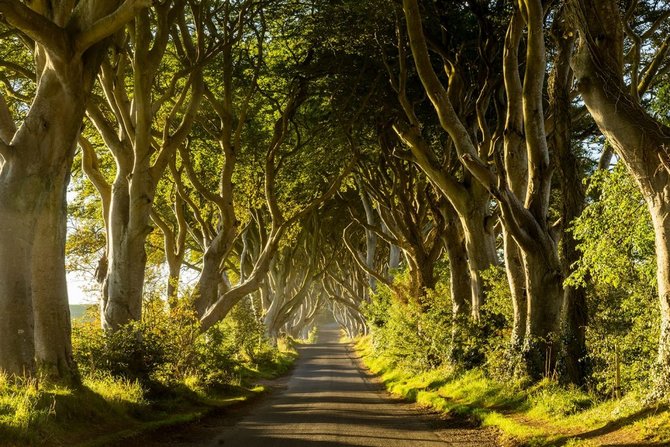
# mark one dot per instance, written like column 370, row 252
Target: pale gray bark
column 17, row 343
column 53, row 346
column 516, row 174
column 370, row 236
column 524, row 217
column 516, row 278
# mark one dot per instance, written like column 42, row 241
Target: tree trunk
column 575, row 316
column 53, row 329
column 480, row 246
column 459, row 277
column 173, row 282
column 545, row 298
column 394, row 257
column 660, row 214
column 516, row 175
column 207, row 289
column 459, row 282
column 41, row 152
column 516, row 278
column 128, row 228
column 370, row 236
column 17, row 221
column 68, row 53
column 426, row 276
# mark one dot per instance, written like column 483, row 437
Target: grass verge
column 542, row 415
column 105, row 409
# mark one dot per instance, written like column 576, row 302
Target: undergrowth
column 544, row 414
column 144, row 376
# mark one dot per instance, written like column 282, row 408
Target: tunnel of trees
column 470, row 182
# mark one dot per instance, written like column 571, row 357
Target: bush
column 135, row 351
column 618, row 267
column 167, row 347
column 413, row 333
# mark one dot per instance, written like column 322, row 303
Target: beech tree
column 467, row 197
column 70, row 40
column 638, row 138
column 128, row 128
column 409, row 213
column 523, row 195
column 293, row 272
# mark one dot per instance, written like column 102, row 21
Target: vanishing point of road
column 330, row 401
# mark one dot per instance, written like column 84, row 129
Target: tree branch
column 359, row 262
column 108, row 25
column 35, row 26
column 432, row 85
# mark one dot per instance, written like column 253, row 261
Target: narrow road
column 330, row 401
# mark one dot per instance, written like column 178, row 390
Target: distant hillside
column 78, row 310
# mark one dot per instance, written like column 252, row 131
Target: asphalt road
column 331, row 401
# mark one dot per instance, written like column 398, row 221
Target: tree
column 468, row 198
column 141, row 158
column 411, row 214
column 638, row 138
column 524, row 217
column 70, row 41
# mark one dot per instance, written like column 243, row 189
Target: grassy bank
column 543, row 415
column 106, row 409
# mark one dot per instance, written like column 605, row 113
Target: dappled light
column 334, row 223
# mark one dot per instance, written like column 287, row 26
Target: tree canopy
column 481, row 176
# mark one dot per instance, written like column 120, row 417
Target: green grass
column 542, row 415
column 107, row 409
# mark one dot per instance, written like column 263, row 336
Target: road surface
column 330, row 401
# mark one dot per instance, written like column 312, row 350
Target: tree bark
column 41, row 152
column 516, row 278
column 459, row 282
column 516, row 175
column 128, row 228
column 53, row 329
column 370, row 236
column 480, row 245
column 141, row 157
column 545, row 298
column 70, row 43
column 17, row 221
column 660, row 214
column 471, row 202
column 575, row 313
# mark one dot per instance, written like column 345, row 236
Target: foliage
column 544, row 415
column 166, row 347
column 158, row 371
column 420, row 333
column 134, row 351
column 617, row 242
column 104, row 410
column 403, row 329
column 615, row 234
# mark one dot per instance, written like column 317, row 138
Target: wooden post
column 617, row 373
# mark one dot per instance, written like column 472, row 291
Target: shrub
column 414, row 333
column 134, row 351
column 168, row 347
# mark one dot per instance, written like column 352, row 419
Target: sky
column 75, row 290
